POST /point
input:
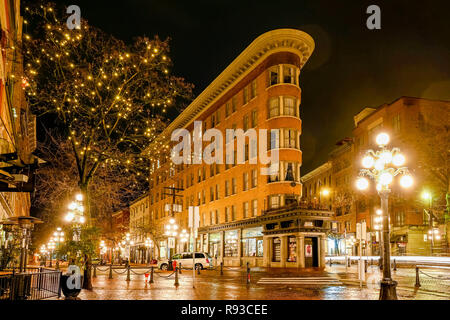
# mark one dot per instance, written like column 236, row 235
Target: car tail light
column 207, row 260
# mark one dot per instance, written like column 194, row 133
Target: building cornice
column 319, row 170
column 280, row 40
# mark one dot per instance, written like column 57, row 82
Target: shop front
column 297, row 239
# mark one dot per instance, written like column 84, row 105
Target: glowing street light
column 383, row 166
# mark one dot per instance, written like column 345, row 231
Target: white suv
column 202, row 260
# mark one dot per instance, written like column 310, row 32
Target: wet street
column 333, row 283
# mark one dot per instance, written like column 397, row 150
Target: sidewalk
column 433, row 281
column 210, row 285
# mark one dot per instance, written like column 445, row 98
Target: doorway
column 311, row 252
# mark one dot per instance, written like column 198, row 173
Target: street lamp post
column 382, row 166
column 58, row 237
column 171, row 231
column 76, row 216
column 51, row 246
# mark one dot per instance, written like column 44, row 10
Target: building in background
column 245, row 216
column 416, row 126
column 17, row 124
column 140, row 228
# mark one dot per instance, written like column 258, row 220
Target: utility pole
column 174, row 195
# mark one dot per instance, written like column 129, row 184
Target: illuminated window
column 274, row 107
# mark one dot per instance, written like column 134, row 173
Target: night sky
column 351, row 68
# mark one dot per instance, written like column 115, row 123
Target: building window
column 292, row 249
column 254, row 208
column 254, row 178
column 217, row 192
column 211, row 194
column 254, row 118
column 273, row 76
column 245, row 123
column 276, row 246
column 288, row 74
column 274, row 201
column 399, row 219
column 290, row 138
column 233, row 186
column 211, row 170
column 245, row 181
column 289, row 108
column 233, row 212
column 245, row 209
column 227, row 214
column 274, row 107
column 217, row 217
column 211, row 218
column 231, row 243
column 252, row 242
column 227, row 188
column 245, row 94
column 234, row 104
column 203, row 197
column 227, row 109
column 253, row 89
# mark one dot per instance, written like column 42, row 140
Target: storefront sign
column 308, row 250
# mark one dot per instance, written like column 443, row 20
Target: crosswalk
column 317, row 281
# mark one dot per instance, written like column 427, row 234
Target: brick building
column 415, row 126
column 245, row 215
column 17, row 125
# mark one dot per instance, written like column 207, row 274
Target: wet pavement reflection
column 266, row 284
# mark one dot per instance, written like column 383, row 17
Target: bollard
column 349, row 262
column 180, row 268
column 371, row 261
column 128, row 273
column 395, row 265
column 95, row 271
column 248, row 273
column 110, row 272
column 176, row 277
column 221, row 268
column 366, row 263
column 198, row 269
column 417, row 277
column 380, row 264
column 331, row 262
column 151, row 276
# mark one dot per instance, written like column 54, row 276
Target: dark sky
column 352, row 67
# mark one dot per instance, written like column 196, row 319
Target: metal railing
column 35, row 285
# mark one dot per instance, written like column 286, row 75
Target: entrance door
column 311, row 252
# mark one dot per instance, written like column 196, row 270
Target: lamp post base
column 388, row 290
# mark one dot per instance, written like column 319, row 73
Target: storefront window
column 214, row 242
column 252, row 242
column 276, row 254
column 231, row 243
column 292, row 249
column 162, row 250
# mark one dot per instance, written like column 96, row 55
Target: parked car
column 202, row 260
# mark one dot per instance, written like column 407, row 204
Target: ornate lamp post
column 171, row 232
column 58, row 237
column 127, row 243
column 382, row 166
column 76, row 216
column 51, row 247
